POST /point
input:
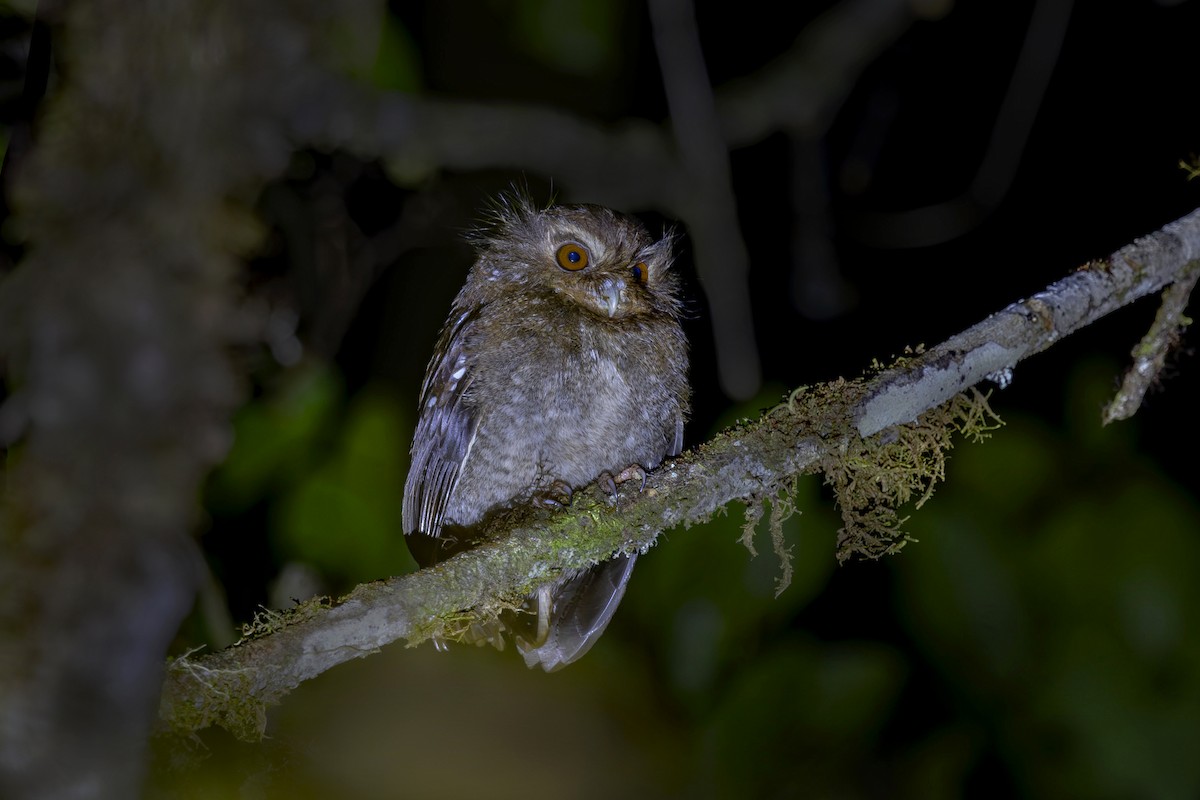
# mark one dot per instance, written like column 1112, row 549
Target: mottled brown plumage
column 562, row 359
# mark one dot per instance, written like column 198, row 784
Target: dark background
column 1040, row 640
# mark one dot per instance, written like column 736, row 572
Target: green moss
column 205, row 696
column 809, row 411
column 1191, row 167
column 267, row 621
column 875, row 477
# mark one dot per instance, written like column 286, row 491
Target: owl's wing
column 445, row 431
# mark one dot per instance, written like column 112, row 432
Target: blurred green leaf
column 1055, row 585
column 23, row 8
column 344, row 517
column 799, row 720
column 275, row 438
column 959, row 592
column 370, row 43
column 580, row 38
column 936, row 767
column 397, row 64
column 714, row 599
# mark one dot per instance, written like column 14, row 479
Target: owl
column 562, row 361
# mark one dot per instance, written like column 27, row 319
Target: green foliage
column 714, row 604
column 1052, row 596
column 813, row 707
column 371, row 45
column 331, row 474
column 1052, row 602
column 344, row 516
column 1044, row 635
column 24, row 8
column 397, row 62
column 581, row 38
column 1055, row 590
column 275, row 439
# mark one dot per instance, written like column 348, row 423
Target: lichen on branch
column 874, row 477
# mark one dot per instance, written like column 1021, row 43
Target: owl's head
column 600, row 259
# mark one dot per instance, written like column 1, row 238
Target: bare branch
column 801, row 91
column 1151, row 352
column 631, row 165
column 940, row 222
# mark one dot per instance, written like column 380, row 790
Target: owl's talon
column 557, row 495
column 609, row 485
column 608, row 482
column 630, row 473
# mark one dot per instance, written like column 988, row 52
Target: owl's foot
column 609, row 482
column 556, row 495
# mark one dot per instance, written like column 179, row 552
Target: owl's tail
column 580, row 609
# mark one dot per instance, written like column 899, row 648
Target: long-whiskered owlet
column 562, row 361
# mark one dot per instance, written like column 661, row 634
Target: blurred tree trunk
column 116, row 330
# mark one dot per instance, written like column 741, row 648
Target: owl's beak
column 610, row 296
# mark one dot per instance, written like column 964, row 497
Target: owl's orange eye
column 572, row 256
column 641, row 273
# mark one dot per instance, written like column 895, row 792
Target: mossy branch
column 879, row 440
